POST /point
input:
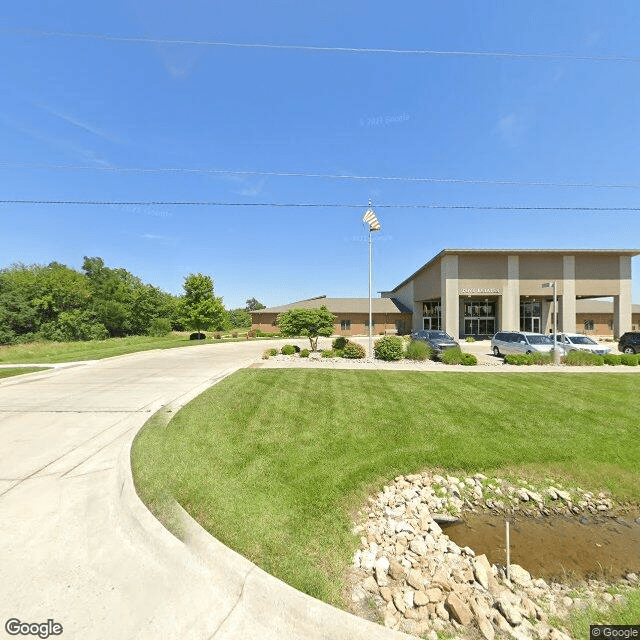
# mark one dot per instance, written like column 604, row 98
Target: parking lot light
column 556, row 352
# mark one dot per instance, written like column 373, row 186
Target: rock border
column 422, row 583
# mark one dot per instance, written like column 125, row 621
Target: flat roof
column 619, row 252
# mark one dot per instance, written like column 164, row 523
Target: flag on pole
column 371, row 220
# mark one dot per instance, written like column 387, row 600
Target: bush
column 456, row 356
column 297, row 348
column 519, row 359
column 272, row 351
column 339, row 343
column 583, row 358
column 389, row 348
column 418, row 350
column 629, row 359
column 469, row 339
column 217, row 335
column 353, row 350
column 266, row 354
column 541, row 358
column 160, row 327
column 328, row 353
column 611, row 358
column 70, row 326
column 234, row 334
column 197, row 336
column 288, row 350
column 304, row 353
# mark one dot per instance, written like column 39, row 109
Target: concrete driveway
column 76, row 545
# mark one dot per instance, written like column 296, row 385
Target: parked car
column 439, row 341
column 629, row 342
column 579, row 342
column 506, row 342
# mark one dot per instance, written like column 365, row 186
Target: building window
column 345, row 325
column 588, row 325
column 530, row 315
column 373, row 323
column 432, row 315
column 610, row 325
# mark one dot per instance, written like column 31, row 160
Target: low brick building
column 352, row 315
column 595, row 317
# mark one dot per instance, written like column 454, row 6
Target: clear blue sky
column 104, row 104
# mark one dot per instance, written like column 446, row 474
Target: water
column 556, row 547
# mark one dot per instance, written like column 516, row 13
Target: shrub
column 304, row 353
column 389, row 348
column 541, row 358
column 469, row 339
column 267, row 354
column 612, row 358
column 234, row 334
column 328, row 353
column 339, row 343
column 297, row 348
column 159, row 327
column 353, row 350
column 582, row 358
column 272, row 351
column 418, row 350
column 456, row 356
column 288, row 350
column 519, row 359
column 629, row 359
column 217, row 335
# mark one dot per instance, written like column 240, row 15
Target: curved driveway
column 78, row 547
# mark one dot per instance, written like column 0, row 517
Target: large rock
column 509, row 610
column 415, row 579
column 519, row 575
column 420, row 599
column 458, row 610
column 419, row 546
column 396, row 570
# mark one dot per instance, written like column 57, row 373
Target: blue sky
column 105, row 105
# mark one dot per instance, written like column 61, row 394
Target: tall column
column 510, row 309
column 568, row 317
column 449, row 295
column 622, row 302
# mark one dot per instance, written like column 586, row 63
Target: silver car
column 580, row 342
column 506, row 342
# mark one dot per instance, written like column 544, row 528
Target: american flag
column 371, row 220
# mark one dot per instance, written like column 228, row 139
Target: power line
column 328, row 176
column 335, row 205
column 318, row 49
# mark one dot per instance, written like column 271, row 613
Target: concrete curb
column 250, row 603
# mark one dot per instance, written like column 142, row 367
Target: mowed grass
column 275, row 463
column 52, row 352
column 18, row 371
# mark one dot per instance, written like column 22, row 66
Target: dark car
column 629, row 342
column 439, row 341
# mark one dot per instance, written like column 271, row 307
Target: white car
column 580, row 342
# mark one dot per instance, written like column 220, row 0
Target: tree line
column 56, row 302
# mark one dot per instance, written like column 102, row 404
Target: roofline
column 621, row 252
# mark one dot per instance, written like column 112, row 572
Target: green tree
column 254, row 305
column 239, row 318
column 201, row 309
column 306, row 322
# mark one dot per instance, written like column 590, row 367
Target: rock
column 520, row 576
column 523, row 494
column 457, row 609
column 632, row 577
column 418, row 545
column 434, row 595
column 420, row 599
column 370, row 585
column 407, row 597
column 396, row 570
column 486, row 628
column 415, row 579
column 385, row 592
column 507, row 608
column 501, row 623
column 441, row 612
column 398, row 601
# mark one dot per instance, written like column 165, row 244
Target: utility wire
column 207, row 203
column 328, row 176
column 318, row 49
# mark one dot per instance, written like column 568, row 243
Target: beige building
column 480, row 291
column 352, row 315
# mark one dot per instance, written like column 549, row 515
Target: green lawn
column 18, row 371
column 52, row 352
column 275, row 462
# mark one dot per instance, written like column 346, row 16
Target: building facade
column 476, row 292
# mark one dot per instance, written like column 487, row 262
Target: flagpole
column 370, row 270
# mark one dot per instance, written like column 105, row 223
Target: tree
column 201, row 309
column 239, row 318
column 254, row 305
column 306, row 322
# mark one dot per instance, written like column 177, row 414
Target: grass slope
column 18, row 371
column 274, row 462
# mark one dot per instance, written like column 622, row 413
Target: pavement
column 79, row 549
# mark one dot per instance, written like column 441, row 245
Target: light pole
column 374, row 225
column 556, row 353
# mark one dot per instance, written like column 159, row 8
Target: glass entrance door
column 479, row 326
column 480, row 317
column 530, row 315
